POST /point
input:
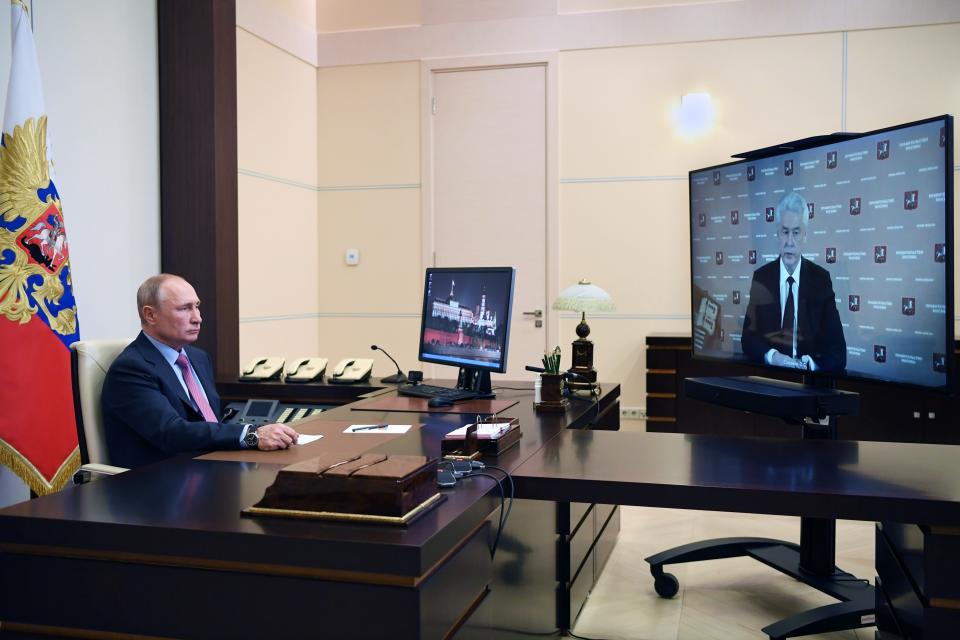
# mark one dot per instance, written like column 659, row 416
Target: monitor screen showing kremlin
column 466, row 317
column 852, row 237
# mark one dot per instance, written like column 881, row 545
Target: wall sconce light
column 694, row 115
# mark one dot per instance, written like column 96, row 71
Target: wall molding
column 257, row 17
column 627, row 27
column 314, row 187
column 534, row 31
column 596, row 316
column 320, row 315
column 621, row 179
column 327, row 314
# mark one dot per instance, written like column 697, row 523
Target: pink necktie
column 195, row 391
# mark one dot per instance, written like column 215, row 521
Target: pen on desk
column 370, row 427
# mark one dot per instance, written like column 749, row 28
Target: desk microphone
column 398, row 377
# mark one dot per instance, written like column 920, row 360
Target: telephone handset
column 306, row 370
column 351, row 370
column 262, row 368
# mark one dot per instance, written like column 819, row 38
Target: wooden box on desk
column 355, row 487
column 473, row 446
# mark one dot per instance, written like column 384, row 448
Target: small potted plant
column 551, row 386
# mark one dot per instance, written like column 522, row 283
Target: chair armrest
column 88, row 471
column 103, row 469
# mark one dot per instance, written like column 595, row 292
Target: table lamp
column 583, row 297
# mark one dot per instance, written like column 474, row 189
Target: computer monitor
column 869, row 219
column 466, row 322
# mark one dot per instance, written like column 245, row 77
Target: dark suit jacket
column 148, row 416
column 819, row 333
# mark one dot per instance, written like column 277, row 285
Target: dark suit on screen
column 819, row 333
column 147, row 415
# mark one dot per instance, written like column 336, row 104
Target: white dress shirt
column 784, row 292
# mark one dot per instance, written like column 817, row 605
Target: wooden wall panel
column 198, row 163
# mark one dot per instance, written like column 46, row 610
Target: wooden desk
column 162, row 551
column 911, row 490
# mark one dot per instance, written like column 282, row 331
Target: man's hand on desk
column 780, row 360
column 276, row 436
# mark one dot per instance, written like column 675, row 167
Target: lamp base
column 397, row 378
column 585, row 374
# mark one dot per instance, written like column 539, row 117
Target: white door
column 489, row 187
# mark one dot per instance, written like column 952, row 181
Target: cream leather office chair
column 89, row 362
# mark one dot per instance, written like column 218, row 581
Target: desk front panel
column 901, row 482
column 177, row 525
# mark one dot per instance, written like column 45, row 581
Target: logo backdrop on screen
column 876, row 222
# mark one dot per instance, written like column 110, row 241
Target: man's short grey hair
column 793, row 201
column 149, row 292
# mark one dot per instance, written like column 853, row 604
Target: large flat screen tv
column 834, row 259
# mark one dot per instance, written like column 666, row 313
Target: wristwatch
column 251, row 439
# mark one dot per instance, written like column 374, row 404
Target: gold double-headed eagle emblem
column 33, row 247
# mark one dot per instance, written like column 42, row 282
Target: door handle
column 536, row 313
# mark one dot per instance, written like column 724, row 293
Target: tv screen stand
column 815, row 407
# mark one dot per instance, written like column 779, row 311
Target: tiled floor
column 728, row 599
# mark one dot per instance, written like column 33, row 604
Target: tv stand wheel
column 666, row 585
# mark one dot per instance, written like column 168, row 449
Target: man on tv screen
column 792, row 319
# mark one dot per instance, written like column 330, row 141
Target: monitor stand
column 815, row 408
column 477, row 381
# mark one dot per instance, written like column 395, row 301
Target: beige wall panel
column 462, row 11
column 276, row 111
column 348, row 15
column 277, row 229
column 901, row 75
column 303, row 12
column 369, row 124
column 293, row 338
column 384, row 224
column 615, row 104
column 631, row 239
column 580, row 6
column 352, row 336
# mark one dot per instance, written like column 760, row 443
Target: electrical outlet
column 633, row 413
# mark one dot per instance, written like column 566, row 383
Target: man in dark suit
column 792, row 319
column 159, row 398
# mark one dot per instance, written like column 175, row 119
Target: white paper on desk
column 390, row 428
column 490, row 430
column 305, row 439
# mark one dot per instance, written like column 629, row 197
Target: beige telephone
column 262, row 368
column 306, row 370
column 352, row 370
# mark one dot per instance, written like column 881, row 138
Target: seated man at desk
column 159, row 397
column 792, row 319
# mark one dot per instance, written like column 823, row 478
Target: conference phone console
column 261, row 411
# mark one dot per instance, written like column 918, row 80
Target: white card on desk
column 306, row 439
column 491, row 430
column 377, row 428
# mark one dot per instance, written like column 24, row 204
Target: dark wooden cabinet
column 887, row 412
